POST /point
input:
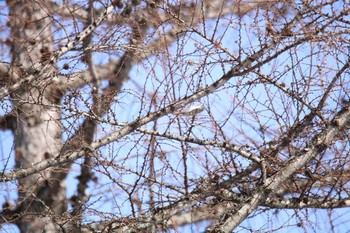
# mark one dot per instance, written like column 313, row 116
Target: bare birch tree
column 174, row 116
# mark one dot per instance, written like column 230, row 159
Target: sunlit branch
column 41, row 70
column 318, row 144
column 71, row 156
column 222, row 145
column 311, row 202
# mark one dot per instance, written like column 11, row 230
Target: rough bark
column 38, row 130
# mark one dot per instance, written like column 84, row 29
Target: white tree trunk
column 38, row 132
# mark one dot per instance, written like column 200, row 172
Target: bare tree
column 174, row 115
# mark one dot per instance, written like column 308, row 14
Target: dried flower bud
column 136, row 2
column 118, row 3
column 127, row 11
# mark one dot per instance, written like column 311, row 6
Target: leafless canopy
column 174, row 116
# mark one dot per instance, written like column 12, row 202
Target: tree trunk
column 38, row 132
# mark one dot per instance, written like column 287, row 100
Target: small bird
column 192, row 110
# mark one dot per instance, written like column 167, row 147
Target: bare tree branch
column 319, row 143
column 174, row 115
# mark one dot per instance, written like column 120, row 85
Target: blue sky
column 187, row 73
